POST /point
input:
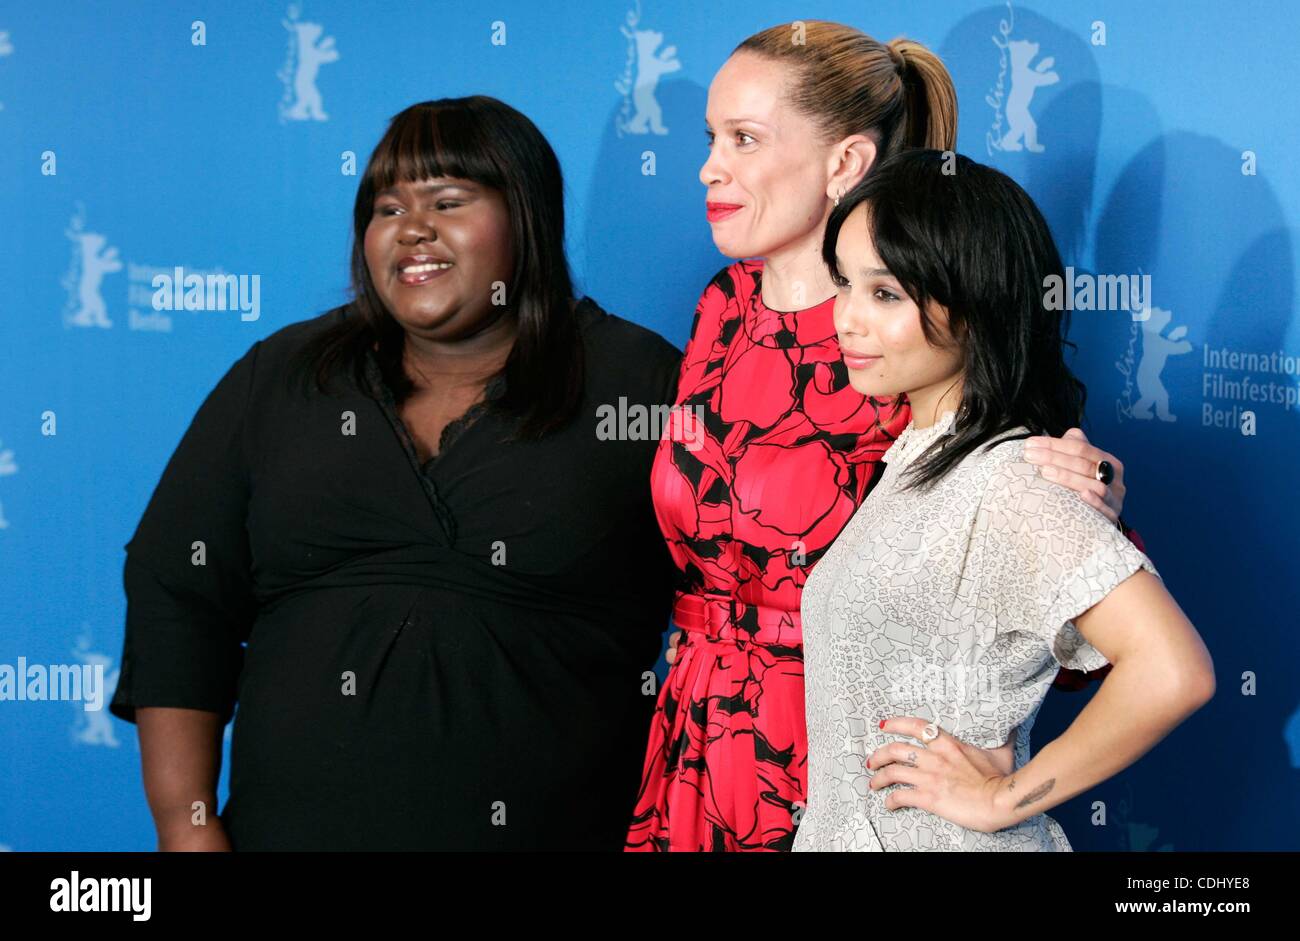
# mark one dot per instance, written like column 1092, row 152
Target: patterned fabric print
column 767, row 457
column 953, row 605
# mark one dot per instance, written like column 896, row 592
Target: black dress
column 446, row 657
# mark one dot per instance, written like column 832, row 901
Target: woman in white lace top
column 934, row 624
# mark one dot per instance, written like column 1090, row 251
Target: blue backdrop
column 136, row 137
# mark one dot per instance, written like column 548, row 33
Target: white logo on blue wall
column 641, row 113
column 92, row 259
column 1157, row 347
column 1014, row 127
column 94, row 727
column 6, row 49
column 308, row 51
column 8, row 467
column 152, row 291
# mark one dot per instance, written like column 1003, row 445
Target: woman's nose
column 846, row 317
column 713, row 170
column 417, row 230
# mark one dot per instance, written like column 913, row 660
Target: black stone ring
column 1105, row 472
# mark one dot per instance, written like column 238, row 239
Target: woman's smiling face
column 879, row 328
column 764, row 157
column 435, row 249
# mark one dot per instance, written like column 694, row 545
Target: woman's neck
column 795, row 276
column 436, row 366
column 929, row 403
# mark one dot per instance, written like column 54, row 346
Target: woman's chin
column 876, row 389
column 731, row 247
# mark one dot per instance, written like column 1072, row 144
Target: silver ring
column 930, row 733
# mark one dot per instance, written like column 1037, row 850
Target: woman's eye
column 708, row 135
column 440, row 205
column 886, row 295
column 839, row 281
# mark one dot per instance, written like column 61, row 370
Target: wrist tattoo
column 1037, row 793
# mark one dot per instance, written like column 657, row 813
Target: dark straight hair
column 969, row 238
column 481, row 139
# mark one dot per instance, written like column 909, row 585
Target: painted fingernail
column 882, row 723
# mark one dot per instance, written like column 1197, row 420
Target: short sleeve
column 187, row 576
column 1047, row 557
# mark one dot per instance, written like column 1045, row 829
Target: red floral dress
column 769, row 456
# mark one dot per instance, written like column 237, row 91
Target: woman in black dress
column 451, row 586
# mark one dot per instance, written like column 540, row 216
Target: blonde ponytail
column 929, row 98
column 849, row 83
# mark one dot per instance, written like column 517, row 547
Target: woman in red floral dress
column 772, row 450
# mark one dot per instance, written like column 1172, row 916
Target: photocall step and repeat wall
column 146, row 146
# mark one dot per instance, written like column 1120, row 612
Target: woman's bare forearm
column 1162, row 674
column 1129, row 715
column 180, row 751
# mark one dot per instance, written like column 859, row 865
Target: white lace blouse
column 954, row 605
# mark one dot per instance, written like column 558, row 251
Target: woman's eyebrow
column 864, row 272
column 732, row 122
column 425, row 188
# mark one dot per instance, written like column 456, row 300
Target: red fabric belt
column 723, row 619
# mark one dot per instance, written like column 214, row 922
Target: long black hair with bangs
column 481, row 139
column 969, row 238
